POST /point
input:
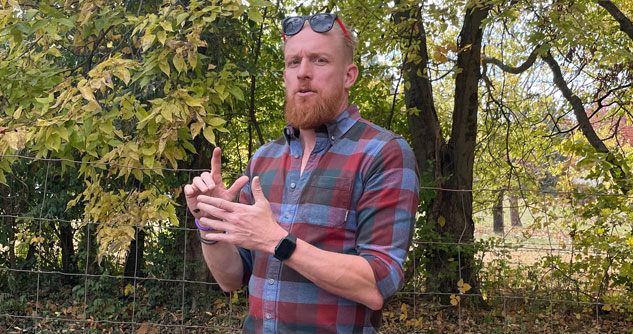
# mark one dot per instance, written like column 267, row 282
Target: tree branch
column 514, row 70
column 625, row 23
column 251, row 109
column 617, row 172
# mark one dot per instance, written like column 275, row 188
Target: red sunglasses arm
column 342, row 28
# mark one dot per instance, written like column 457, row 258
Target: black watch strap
column 285, row 247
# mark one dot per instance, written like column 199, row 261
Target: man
column 322, row 229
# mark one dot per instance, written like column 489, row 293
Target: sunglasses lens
column 322, row 22
column 292, row 25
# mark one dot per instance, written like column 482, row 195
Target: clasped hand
column 249, row 226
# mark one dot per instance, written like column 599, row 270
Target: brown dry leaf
column 143, row 329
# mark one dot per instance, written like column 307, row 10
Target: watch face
column 285, row 247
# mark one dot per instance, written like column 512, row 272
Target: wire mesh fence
column 53, row 281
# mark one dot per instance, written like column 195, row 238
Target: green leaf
column 181, row 17
column 237, row 92
column 193, row 101
column 164, row 66
column 209, row 135
column 215, row 122
column 255, row 15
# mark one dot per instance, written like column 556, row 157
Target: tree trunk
column 515, row 218
column 90, row 238
column 66, row 234
column 448, row 166
column 134, row 262
column 497, row 213
column 12, row 259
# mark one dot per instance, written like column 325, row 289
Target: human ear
column 351, row 74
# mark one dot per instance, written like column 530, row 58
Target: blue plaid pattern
column 357, row 195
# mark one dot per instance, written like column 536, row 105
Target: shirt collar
column 334, row 129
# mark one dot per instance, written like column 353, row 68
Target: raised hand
column 249, row 226
column 211, row 184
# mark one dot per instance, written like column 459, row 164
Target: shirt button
column 268, row 316
column 286, row 215
column 293, row 185
column 332, row 138
column 271, row 281
column 296, row 156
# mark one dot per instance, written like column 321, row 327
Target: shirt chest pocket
column 327, row 201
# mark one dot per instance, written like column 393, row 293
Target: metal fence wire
column 170, row 290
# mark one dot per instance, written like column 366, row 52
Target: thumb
column 258, row 193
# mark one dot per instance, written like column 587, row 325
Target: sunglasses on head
column 322, row 22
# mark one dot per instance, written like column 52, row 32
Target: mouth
column 305, row 92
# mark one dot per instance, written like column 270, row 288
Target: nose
column 305, row 70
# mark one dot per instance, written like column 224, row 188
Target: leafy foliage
column 108, row 107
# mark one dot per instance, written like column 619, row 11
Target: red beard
column 312, row 111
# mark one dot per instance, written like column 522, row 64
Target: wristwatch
column 285, row 247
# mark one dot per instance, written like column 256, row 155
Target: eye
column 293, row 62
column 321, row 60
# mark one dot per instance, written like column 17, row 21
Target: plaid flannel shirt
column 357, row 195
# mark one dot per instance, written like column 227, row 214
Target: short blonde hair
column 349, row 44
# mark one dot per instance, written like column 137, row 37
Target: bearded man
column 326, row 212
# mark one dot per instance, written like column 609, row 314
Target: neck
column 308, row 139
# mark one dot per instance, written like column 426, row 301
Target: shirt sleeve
column 386, row 213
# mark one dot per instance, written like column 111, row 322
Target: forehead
column 310, row 42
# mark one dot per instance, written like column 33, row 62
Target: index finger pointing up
column 216, row 165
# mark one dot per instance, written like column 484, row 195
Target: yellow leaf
column 54, row 52
column 606, row 307
column 195, row 129
column 86, row 92
column 167, row 114
column 17, row 113
column 129, row 289
column 454, row 300
column 192, row 58
column 166, row 26
column 441, row 221
column 162, row 37
column 439, row 56
column 147, row 40
column 123, row 74
column 12, row 139
column 92, row 106
column 179, row 63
